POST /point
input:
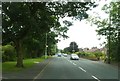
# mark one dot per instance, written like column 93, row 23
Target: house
column 80, row 50
column 86, row 49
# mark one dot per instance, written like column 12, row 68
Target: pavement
column 62, row 68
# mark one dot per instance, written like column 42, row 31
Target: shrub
column 8, row 53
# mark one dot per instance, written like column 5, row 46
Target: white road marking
column 41, row 71
column 74, row 64
column 95, row 78
column 70, row 61
column 82, row 69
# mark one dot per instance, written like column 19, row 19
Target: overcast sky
column 83, row 34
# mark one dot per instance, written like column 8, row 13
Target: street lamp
column 46, row 46
column 109, row 37
column 55, row 48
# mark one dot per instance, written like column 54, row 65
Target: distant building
column 80, row 50
column 94, row 49
column 104, row 50
column 86, row 49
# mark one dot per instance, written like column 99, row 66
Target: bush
column 0, row 52
column 80, row 54
column 8, row 53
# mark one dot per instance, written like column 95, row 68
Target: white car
column 65, row 55
column 74, row 57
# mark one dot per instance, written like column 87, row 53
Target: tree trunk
column 118, row 49
column 38, row 54
column 19, row 54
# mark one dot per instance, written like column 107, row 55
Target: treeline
column 30, row 51
column 25, row 25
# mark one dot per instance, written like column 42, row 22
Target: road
column 64, row 68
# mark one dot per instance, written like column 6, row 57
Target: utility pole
column 109, row 44
column 55, row 48
column 46, row 47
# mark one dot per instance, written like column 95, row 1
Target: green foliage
column 32, row 47
column 77, row 52
column 97, row 54
column 110, row 27
column 80, row 54
column 8, row 53
column 91, row 55
column 17, row 17
column 1, row 51
column 73, row 47
column 31, row 21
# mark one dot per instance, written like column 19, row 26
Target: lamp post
column 55, row 48
column 109, row 43
column 46, row 46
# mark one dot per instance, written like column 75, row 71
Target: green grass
column 10, row 66
column 0, row 67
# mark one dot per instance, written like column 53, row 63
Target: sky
column 84, row 34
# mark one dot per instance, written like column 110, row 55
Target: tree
column 66, row 50
column 110, row 28
column 21, row 20
column 72, row 48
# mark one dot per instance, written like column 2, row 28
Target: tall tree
column 73, row 47
column 21, row 20
column 110, row 27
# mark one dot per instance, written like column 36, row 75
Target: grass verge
column 10, row 66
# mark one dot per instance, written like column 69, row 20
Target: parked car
column 74, row 57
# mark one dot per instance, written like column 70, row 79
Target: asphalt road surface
column 64, row 68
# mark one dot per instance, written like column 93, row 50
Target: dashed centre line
column 95, row 78
column 82, row 69
column 70, row 61
column 74, row 64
